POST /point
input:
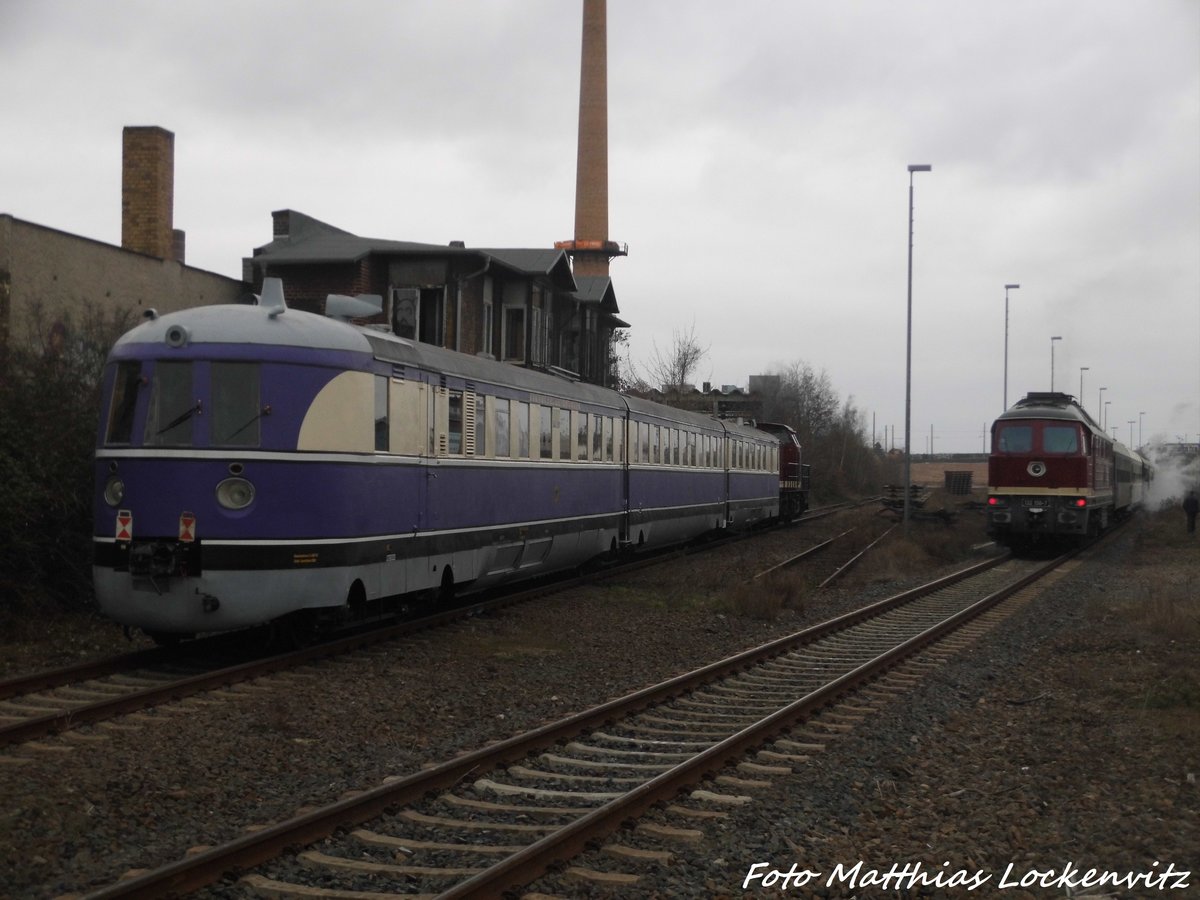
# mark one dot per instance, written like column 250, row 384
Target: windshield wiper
column 265, row 411
column 179, row 419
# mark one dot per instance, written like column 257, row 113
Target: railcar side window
column 546, row 442
column 454, row 430
column 382, row 438
column 1015, row 439
column 582, row 437
column 654, row 443
column 480, row 425
column 124, row 402
column 564, row 433
column 608, row 439
column 1060, row 439
column 172, row 405
column 597, row 437
column 236, row 410
column 502, row 444
column 523, row 429
column 644, row 428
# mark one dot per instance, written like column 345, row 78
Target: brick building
column 49, row 276
column 516, row 305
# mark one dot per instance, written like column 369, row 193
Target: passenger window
column 172, row 405
column 502, row 441
column 381, row 413
column 480, row 425
column 523, row 430
column 582, row 437
column 597, row 437
column 564, row 433
column 608, row 439
column 124, row 403
column 654, row 443
column 454, row 431
column 547, row 433
column 236, row 412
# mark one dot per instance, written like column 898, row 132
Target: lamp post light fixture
column 1082, row 369
column 1057, row 337
column 1007, row 288
column 923, row 167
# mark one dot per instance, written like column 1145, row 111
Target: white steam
column 1176, row 471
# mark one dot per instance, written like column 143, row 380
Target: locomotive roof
column 1046, row 405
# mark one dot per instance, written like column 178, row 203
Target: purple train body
column 255, row 463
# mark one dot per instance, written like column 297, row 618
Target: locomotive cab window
column 1014, row 438
column 1060, row 439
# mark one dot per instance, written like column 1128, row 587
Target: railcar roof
column 232, row 323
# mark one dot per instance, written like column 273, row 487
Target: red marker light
column 992, row 501
column 1081, row 502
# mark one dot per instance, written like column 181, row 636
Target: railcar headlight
column 235, row 493
column 114, row 491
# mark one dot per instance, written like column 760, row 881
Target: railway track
column 496, row 818
column 36, row 705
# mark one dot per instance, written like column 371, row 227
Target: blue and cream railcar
column 255, row 462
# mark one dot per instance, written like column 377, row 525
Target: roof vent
column 272, row 297
column 340, row 306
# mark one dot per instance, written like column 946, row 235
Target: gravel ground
column 1041, row 745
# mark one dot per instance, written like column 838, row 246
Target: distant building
column 47, row 276
column 522, row 306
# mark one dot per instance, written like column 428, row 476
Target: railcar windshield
column 226, row 396
column 1037, row 437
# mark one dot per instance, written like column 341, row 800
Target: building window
column 513, row 333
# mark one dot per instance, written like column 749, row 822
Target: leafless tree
column 673, row 370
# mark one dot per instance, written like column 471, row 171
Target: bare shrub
column 49, row 397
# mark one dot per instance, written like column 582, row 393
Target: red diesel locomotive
column 1054, row 474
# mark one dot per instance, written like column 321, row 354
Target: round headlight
column 235, row 493
column 114, row 491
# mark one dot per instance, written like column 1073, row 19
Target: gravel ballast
column 1039, row 746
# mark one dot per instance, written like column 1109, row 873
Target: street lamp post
column 1141, row 441
column 908, row 355
column 1082, row 369
column 1007, row 288
column 1105, row 417
column 1100, row 407
column 1056, row 337
column 1130, row 421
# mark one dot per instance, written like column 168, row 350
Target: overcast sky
column 757, row 169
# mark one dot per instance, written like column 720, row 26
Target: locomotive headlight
column 114, row 491
column 235, row 493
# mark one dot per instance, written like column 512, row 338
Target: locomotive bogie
column 254, row 462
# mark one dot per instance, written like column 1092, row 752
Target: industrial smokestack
column 148, row 191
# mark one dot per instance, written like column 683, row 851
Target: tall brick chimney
column 591, row 249
column 148, row 191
